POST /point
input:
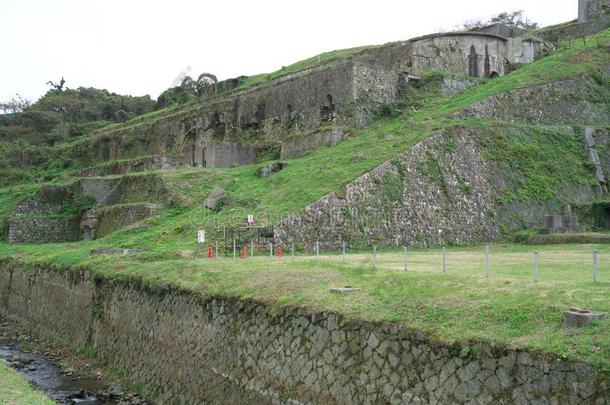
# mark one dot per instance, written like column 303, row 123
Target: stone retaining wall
column 439, row 191
column 189, row 350
column 43, row 230
column 562, row 102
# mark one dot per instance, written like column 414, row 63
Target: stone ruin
column 566, row 223
column 289, row 107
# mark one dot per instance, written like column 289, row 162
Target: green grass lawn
column 463, row 304
column 14, row 390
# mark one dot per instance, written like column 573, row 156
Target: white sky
column 140, row 46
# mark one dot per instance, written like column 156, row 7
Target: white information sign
column 250, row 219
column 201, row 236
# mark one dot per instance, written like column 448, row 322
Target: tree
column 188, row 84
column 206, row 84
column 57, row 86
column 15, row 105
column 514, row 18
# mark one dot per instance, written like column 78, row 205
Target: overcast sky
column 140, row 46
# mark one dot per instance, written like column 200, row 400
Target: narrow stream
column 64, row 387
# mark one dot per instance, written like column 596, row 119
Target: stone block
column 577, row 318
column 344, row 290
column 269, row 169
column 214, row 198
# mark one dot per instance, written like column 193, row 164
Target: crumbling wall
column 184, row 349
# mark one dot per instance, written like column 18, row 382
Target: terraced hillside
column 466, row 164
column 452, row 161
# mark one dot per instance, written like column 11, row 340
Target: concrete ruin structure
column 589, row 10
column 344, row 92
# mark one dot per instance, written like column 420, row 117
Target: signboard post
column 200, row 240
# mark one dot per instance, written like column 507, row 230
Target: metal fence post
column 318, row 251
column 444, row 259
column 271, row 250
column 216, row 255
column 251, row 249
column 234, row 251
column 292, row 251
column 375, row 257
column 595, row 266
column 536, row 273
column 343, row 252
column 487, row 261
column 406, row 258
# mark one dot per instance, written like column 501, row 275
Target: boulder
column 213, row 200
column 269, row 169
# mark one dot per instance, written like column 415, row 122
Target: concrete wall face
column 103, row 191
column 218, row 351
column 457, row 53
column 228, row 154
